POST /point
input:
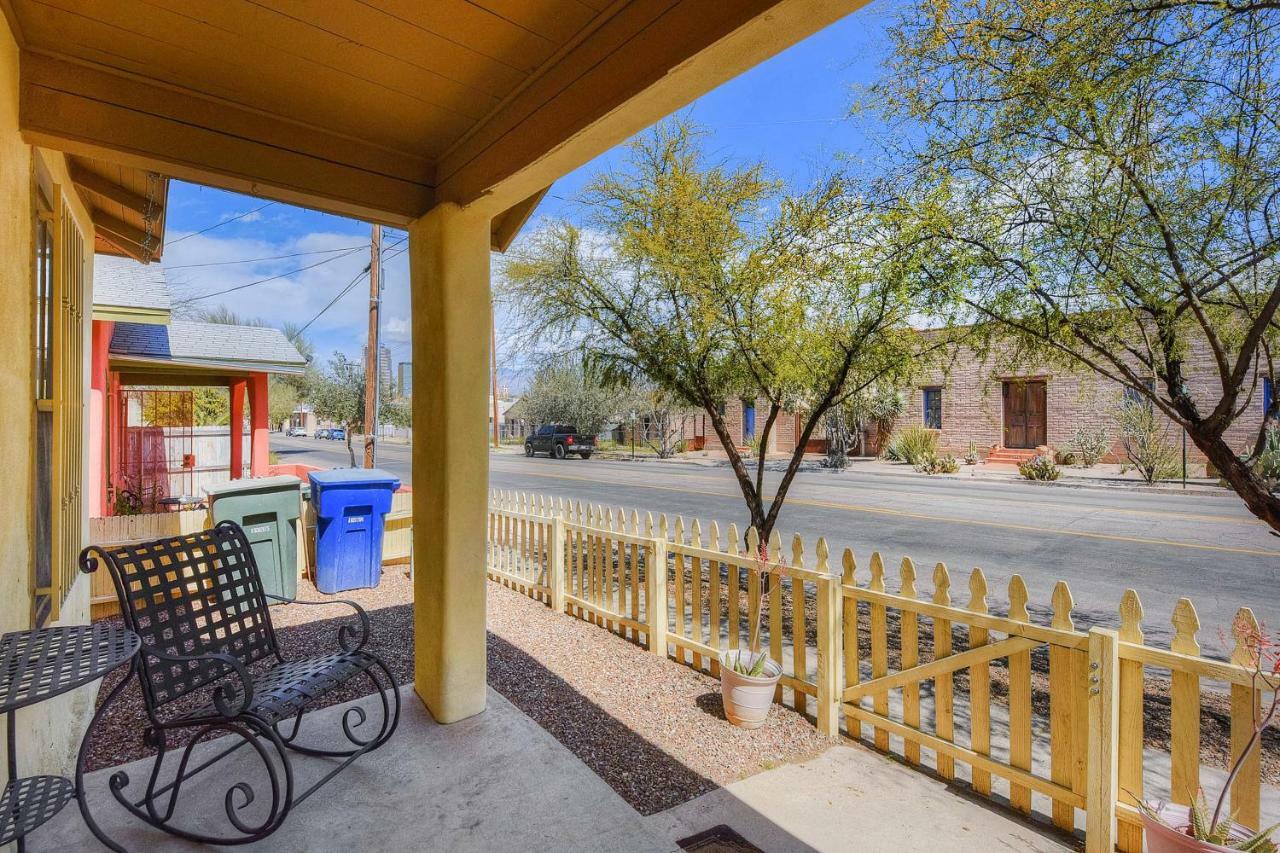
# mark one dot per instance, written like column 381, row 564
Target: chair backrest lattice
column 192, row 595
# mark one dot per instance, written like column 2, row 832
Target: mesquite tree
column 1102, row 179
column 710, row 282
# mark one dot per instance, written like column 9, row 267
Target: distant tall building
column 404, row 378
column 384, row 365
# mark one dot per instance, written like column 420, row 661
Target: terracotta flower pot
column 1168, row 834
column 747, row 699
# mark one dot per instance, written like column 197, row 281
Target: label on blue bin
column 355, row 519
column 253, row 531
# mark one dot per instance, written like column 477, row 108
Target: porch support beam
column 92, row 111
column 236, row 388
column 450, row 302
column 260, row 428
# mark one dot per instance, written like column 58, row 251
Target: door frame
column 1026, row 382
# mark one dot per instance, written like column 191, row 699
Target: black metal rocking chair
column 198, row 605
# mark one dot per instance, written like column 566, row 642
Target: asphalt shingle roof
column 125, row 283
column 190, row 342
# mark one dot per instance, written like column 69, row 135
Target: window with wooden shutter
column 61, row 316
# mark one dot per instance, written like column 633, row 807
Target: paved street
column 1099, row 540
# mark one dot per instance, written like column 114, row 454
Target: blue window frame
column 933, row 408
column 1268, row 394
column 748, row 421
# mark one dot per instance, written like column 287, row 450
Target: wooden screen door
column 1024, row 414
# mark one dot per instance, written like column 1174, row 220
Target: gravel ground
column 653, row 730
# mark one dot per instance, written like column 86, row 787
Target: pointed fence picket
column 914, row 667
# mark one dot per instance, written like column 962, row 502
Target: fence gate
column 155, row 442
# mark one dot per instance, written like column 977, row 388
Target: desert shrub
column 912, row 444
column 971, row 455
column 1040, row 467
column 1145, row 437
column 1267, row 463
column 681, row 446
column 1092, row 443
column 1064, row 457
column 935, row 464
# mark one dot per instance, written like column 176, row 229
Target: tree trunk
column 1243, row 480
column 351, row 450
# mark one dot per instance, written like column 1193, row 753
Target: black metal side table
column 38, row 665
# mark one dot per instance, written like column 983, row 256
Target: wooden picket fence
column 926, row 677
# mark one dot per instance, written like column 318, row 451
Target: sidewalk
column 1101, row 476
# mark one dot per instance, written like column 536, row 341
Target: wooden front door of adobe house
column 1024, row 414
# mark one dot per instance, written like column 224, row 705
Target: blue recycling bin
column 351, row 505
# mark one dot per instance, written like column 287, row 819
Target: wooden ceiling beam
column 134, row 242
column 648, row 60
column 110, row 190
column 91, row 111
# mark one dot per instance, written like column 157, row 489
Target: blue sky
column 790, row 112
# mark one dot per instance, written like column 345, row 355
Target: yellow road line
column 1110, row 537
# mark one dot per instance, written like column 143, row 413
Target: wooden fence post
column 1104, row 723
column 556, row 564
column 830, row 630
column 655, row 596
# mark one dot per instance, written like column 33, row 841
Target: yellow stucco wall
column 48, row 733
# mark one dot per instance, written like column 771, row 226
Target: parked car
column 337, row 435
column 559, row 441
column 296, row 432
column 322, row 433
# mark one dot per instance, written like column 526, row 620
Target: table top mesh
column 35, row 665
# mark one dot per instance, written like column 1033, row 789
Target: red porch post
column 237, row 389
column 98, row 402
column 259, row 442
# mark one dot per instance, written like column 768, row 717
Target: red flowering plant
column 1261, row 652
column 753, row 662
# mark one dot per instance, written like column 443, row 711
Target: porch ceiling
column 380, row 108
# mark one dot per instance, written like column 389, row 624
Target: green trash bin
column 267, row 508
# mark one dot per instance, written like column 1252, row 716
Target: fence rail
column 1046, row 716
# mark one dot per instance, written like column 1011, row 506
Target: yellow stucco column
column 449, row 292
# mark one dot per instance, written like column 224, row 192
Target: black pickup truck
column 559, row 440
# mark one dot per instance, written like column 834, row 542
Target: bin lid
column 356, row 477
column 283, row 482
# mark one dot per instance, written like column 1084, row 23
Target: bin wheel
column 559, row 451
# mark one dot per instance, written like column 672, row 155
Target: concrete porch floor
column 499, row 782
column 495, row 782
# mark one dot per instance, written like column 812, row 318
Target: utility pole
column 371, row 359
column 493, row 374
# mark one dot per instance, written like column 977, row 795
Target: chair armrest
column 345, row 632
column 224, row 694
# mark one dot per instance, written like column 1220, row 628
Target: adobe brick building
column 1011, row 411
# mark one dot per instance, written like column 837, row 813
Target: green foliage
column 568, row 392
column 337, row 395
column 1064, row 457
column 212, row 406
column 912, row 445
column 971, row 455
column 1092, row 443
column 1144, row 434
column 934, row 464
column 712, row 283
column 1097, row 181
column 1039, row 467
column 1267, row 462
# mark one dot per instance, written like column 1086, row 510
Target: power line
column 191, row 299
column 259, row 260
column 334, row 300
column 220, row 224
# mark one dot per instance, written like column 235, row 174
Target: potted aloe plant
column 748, row 677
column 1174, row 828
